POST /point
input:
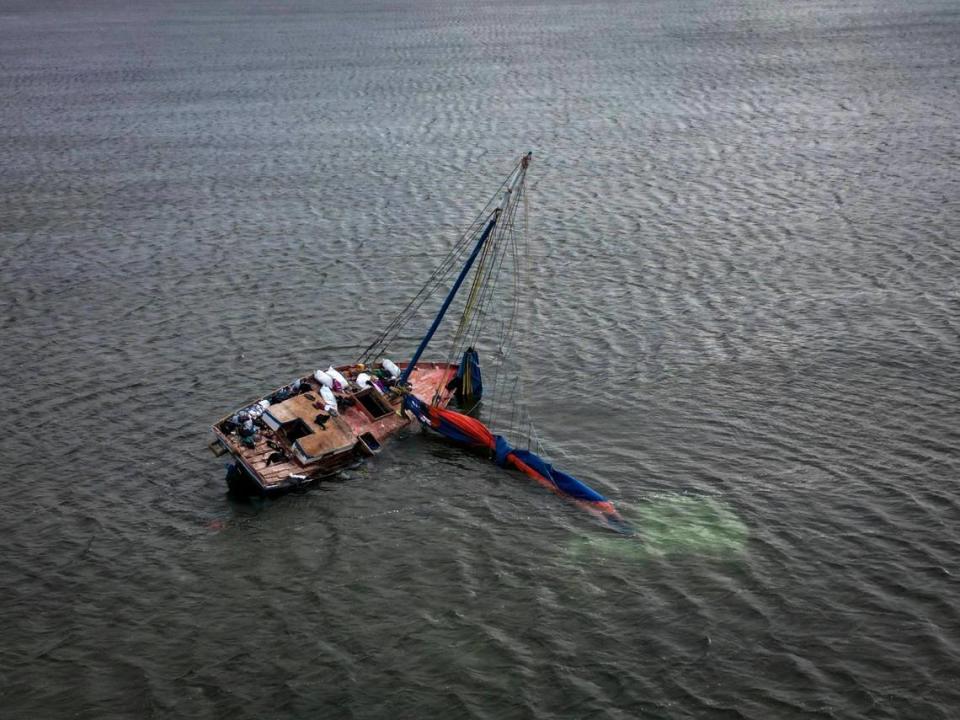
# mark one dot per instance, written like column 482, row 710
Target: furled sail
column 471, row 432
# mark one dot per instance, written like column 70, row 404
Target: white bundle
column 323, row 379
column 329, row 400
column 256, row 410
column 337, row 378
column 391, row 368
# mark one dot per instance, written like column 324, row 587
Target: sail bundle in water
column 469, row 431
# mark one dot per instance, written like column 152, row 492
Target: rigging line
column 441, row 272
column 520, row 402
column 525, row 238
column 508, row 239
column 506, row 328
column 500, row 405
column 496, row 384
column 520, row 271
column 495, row 270
column 478, row 278
column 447, row 263
column 503, row 396
column 487, row 299
column 489, row 283
column 486, row 274
column 471, row 337
column 477, row 285
column 508, row 242
column 513, row 413
column 484, row 290
column 516, row 277
column 475, row 309
column 542, row 448
column 521, row 263
column 390, row 333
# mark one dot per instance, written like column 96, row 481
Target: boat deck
column 323, row 449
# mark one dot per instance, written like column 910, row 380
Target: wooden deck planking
column 352, row 422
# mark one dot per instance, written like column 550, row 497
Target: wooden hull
column 295, row 445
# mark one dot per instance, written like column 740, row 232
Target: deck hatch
column 373, row 405
column 295, row 429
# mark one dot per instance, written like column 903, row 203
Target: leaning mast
column 513, row 183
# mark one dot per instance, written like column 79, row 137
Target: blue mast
column 446, row 303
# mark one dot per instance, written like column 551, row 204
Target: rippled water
column 742, row 326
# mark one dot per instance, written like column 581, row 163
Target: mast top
column 514, row 180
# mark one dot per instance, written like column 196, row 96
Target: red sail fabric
column 471, row 427
column 470, row 431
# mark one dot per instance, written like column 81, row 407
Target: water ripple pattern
column 741, row 325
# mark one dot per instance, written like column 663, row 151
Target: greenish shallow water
column 670, row 526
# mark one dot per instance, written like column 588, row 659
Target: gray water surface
column 741, row 324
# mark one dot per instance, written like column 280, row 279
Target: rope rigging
column 505, row 254
column 438, row 279
column 482, row 299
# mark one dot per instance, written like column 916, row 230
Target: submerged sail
column 471, row 432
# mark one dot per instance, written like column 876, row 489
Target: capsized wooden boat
column 295, row 435
column 324, row 422
column 296, row 442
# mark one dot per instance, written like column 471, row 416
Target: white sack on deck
column 338, row 378
column 329, row 400
column 391, row 368
column 363, row 380
column 323, row 379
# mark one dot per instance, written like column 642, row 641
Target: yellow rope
column 482, row 274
